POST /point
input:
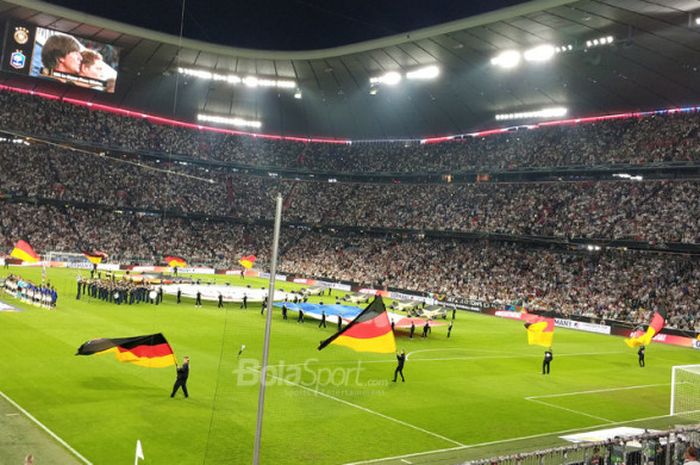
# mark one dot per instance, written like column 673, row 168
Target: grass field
column 479, row 393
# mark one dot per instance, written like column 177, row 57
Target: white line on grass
column 501, row 441
column 594, row 391
column 570, row 410
column 364, row 409
column 445, row 359
column 48, row 431
column 577, row 393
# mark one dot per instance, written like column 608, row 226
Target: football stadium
column 456, row 233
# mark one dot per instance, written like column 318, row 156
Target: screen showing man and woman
column 45, row 53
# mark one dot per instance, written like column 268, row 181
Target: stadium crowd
column 661, row 138
column 569, row 282
column 610, row 284
column 653, row 211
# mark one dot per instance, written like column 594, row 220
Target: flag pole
column 268, row 321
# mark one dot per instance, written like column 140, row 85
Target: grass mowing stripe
column 48, row 431
column 364, row 409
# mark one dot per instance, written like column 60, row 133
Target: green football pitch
column 476, row 394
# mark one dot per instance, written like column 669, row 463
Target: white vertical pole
column 268, row 321
column 673, row 389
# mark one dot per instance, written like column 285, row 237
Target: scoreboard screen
column 47, row 54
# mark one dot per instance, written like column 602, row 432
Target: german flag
column 151, row 351
column 370, row 331
column 24, row 252
column 540, row 330
column 95, row 256
column 657, row 324
column 174, row 262
column 248, row 261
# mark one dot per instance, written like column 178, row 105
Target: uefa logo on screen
column 18, row 59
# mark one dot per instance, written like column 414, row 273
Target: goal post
column 685, row 390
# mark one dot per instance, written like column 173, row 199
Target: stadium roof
column 652, row 62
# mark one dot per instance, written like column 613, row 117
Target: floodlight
column 697, row 20
column 595, row 41
column 297, row 94
column 429, row 72
column 552, row 112
column 610, row 39
column 391, row 79
column 540, row 53
column 250, row 81
column 373, row 90
column 589, row 43
column 507, row 59
column 231, row 121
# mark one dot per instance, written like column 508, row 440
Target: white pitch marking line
column 12, row 414
column 446, row 359
column 594, row 391
column 364, row 409
column 406, row 461
column 502, row 441
column 48, row 431
column 576, row 412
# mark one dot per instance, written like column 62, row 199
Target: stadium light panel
column 507, row 59
column 429, row 72
column 230, row 121
column 390, row 79
column 540, row 53
column 233, row 79
column 552, row 112
column 697, row 20
column 297, row 94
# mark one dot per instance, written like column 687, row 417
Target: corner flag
column 139, row 452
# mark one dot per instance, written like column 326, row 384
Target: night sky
column 285, row 25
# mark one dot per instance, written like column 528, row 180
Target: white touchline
column 50, row 433
column 594, row 391
column 569, row 410
column 501, row 441
column 364, row 409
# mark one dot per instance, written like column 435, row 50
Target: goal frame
column 674, row 370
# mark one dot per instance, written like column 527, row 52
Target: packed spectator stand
column 100, row 191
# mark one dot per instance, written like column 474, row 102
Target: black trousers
column 545, row 367
column 399, row 371
column 641, row 361
column 180, row 384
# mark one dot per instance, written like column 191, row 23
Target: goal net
column 685, row 391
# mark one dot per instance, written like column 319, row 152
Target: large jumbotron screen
column 72, row 60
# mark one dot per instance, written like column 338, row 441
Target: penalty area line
column 364, row 409
column 46, row 429
column 502, row 441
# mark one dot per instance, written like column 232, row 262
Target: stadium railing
column 657, row 448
